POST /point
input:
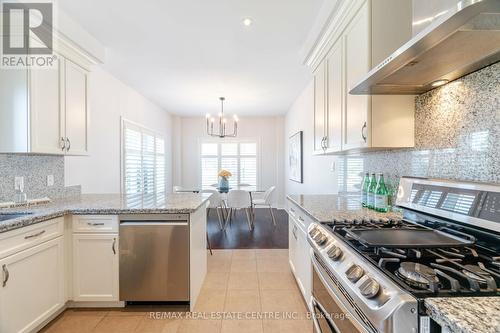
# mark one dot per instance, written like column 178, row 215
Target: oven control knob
column 369, row 288
column 354, row 273
column 334, row 253
column 313, row 231
column 321, row 239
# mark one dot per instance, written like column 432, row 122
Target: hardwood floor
column 238, row 236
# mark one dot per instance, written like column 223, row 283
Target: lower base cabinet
column 32, row 286
column 299, row 256
column 95, row 267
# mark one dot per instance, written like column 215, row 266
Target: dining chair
column 236, row 200
column 215, row 203
column 265, row 200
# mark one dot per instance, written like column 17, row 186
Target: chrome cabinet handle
column 113, row 246
column 69, row 144
column 63, row 144
column 35, row 235
column 294, row 230
column 323, row 143
column 95, row 224
column 363, row 131
column 5, row 275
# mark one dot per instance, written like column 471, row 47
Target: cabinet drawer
column 303, row 220
column 20, row 239
column 95, row 223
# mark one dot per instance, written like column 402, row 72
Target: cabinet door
column 34, row 286
column 292, row 244
column 357, row 64
column 95, row 267
column 304, row 265
column 14, row 111
column 45, row 110
column 335, row 97
column 319, row 107
column 76, row 108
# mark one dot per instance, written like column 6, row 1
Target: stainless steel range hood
column 463, row 40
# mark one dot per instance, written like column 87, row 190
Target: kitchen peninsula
column 74, row 244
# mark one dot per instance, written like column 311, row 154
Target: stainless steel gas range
column 374, row 275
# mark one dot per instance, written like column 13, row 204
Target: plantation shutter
column 239, row 158
column 143, row 164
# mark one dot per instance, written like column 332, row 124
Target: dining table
column 224, row 191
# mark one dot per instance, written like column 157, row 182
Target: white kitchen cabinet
column 335, row 98
column 299, row 249
column 95, row 267
column 33, row 286
column 366, row 33
column 304, row 269
column 76, row 112
column 292, row 244
column 320, row 108
column 45, row 110
column 328, row 87
column 357, row 63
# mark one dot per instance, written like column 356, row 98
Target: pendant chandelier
column 222, row 133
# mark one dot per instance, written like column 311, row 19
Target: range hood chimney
column 457, row 42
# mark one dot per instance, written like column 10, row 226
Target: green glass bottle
column 370, row 202
column 381, row 195
column 364, row 189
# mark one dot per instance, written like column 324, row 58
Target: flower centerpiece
column 224, row 180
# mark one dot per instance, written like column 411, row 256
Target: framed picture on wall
column 295, row 157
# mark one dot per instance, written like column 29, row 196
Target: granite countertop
column 330, row 207
column 466, row 314
column 105, row 204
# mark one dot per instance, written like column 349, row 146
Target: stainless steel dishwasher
column 154, row 258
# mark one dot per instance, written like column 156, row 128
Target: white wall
column 109, row 100
column 267, row 130
column 318, row 177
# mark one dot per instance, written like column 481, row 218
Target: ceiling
column 184, row 54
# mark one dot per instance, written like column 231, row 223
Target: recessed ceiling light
column 438, row 83
column 247, row 21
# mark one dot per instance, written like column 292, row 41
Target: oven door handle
column 337, row 300
column 316, row 305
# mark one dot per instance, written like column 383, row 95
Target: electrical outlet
column 50, row 180
column 19, row 183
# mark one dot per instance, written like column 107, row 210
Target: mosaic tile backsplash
column 34, row 169
column 457, row 129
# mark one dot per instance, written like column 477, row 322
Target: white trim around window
column 237, row 156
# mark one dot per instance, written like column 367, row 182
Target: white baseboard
column 72, row 304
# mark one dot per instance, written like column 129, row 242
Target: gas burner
column 476, row 273
column 418, row 275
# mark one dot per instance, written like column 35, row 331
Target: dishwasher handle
column 151, row 223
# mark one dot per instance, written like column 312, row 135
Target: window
column 350, row 174
column 143, row 164
column 239, row 158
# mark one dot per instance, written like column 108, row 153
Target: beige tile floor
column 238, row 283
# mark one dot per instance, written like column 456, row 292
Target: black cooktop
column 472, row 268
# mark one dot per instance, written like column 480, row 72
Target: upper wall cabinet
column 366, row 31
column 45, row 110
column 75, row 122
